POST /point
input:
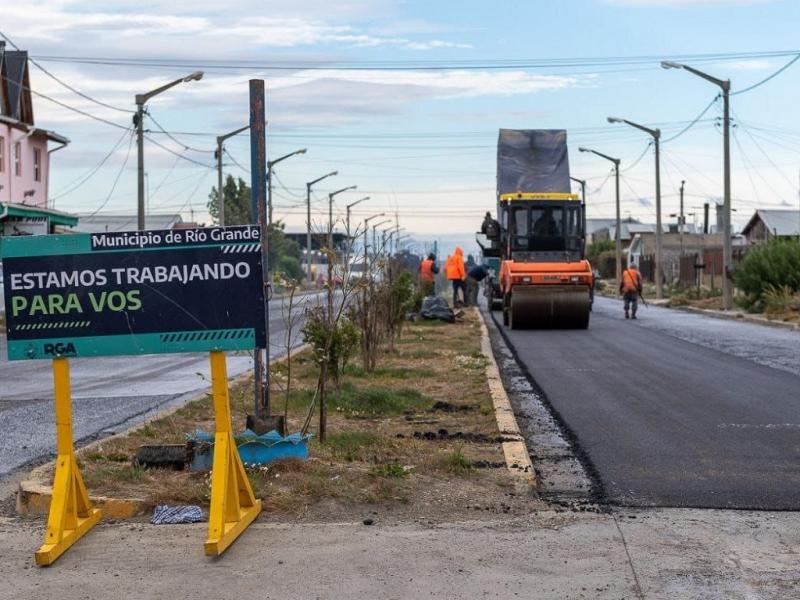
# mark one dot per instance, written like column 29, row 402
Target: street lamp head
column 614, row 120
column 582, row 149
column 301, row 151
column 196, row 76
column 668, row 64
column 332, row 173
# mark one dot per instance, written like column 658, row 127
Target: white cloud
column 749, row 65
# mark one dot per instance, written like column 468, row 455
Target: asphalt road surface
column 676, row 409
column 109, row 393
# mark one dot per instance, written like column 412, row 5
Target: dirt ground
column 415, row 439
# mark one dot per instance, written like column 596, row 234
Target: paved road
column 676, row 409
column 108, row 393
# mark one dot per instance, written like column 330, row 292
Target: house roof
column 778, row 222
column 103, row 223
column 14, row 80
column 11, row 209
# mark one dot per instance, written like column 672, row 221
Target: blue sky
column 419, row 142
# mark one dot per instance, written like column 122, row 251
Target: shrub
column 343, row 340
column 771, row 266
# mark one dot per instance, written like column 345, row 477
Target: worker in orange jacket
column 456, row 273
column 631, row 287
column 427, row 274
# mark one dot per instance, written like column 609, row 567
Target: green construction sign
column 140, row 292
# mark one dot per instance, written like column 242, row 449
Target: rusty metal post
column 258, row 208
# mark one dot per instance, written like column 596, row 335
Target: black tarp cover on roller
column 532, row 161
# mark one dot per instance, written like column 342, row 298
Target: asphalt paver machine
column 545, row 279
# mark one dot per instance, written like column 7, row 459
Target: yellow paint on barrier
column 233, row 504
column 71, row 512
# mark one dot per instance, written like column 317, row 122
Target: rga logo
column 60, row 349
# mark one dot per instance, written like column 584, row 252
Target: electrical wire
column 235, row 162
column 65, row 84
column 75, row 110
column 407, row 65
column 80, row 180
column 116, row 180
column 178, row 154
column 768, row 78
column 694, row 121
column 174, row 139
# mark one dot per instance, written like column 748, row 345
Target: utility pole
column 375, row 235
column 366, row 228
column 220, row 195
column 618, row 235
column 656, row 135
column 270, row 165
column 308, row 218
column 138, row 120
column 258, row 206
column 727, row 244
column 347, row 224
column 330, row 213
column 682, row 218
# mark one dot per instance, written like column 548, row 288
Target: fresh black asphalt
column 676, row 409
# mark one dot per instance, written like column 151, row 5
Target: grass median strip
column 416, row 437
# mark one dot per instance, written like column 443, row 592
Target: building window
column 2, row 154
column 18, row 159
column 37, row 164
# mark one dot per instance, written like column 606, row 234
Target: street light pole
column 375, row 235
column 138, row 119
column 347, row 224
column 270, row 164
column 618, row 235
column 330, row 213
column 220, row 195
column 366, row 228
column 727, row 246
column 308, row 218
column 656, row 135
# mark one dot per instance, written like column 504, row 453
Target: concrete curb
column 35, row 492
column 518, row 460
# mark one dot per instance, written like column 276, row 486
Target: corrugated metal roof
column 112, row 223
column 778, row 222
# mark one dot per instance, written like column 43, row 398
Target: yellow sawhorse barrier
column 233, row 504
column 71, row 513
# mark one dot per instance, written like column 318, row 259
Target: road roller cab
column 545, row 279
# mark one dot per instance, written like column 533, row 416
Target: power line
column 119, row 174
column 694, row 121
column 177, row 141
column 65, row 84
column 178, row 154
column 84, row 178
column 418, row 64
column 75, row 110
column 769, row 77
column 236, row 162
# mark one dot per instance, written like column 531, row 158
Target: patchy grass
column 455, row 462
column 371, row 459
column 377, row 401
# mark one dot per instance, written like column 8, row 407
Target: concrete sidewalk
column 671, row 553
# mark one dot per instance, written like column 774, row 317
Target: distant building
column 768, row 224
column 24, row 155
column 102, row 223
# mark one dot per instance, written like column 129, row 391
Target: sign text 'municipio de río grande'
column 134, row 292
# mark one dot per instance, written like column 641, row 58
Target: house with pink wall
column 25, row 154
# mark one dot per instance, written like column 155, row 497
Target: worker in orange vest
column 427, row 274
column 631, row 287
column 454, row 268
